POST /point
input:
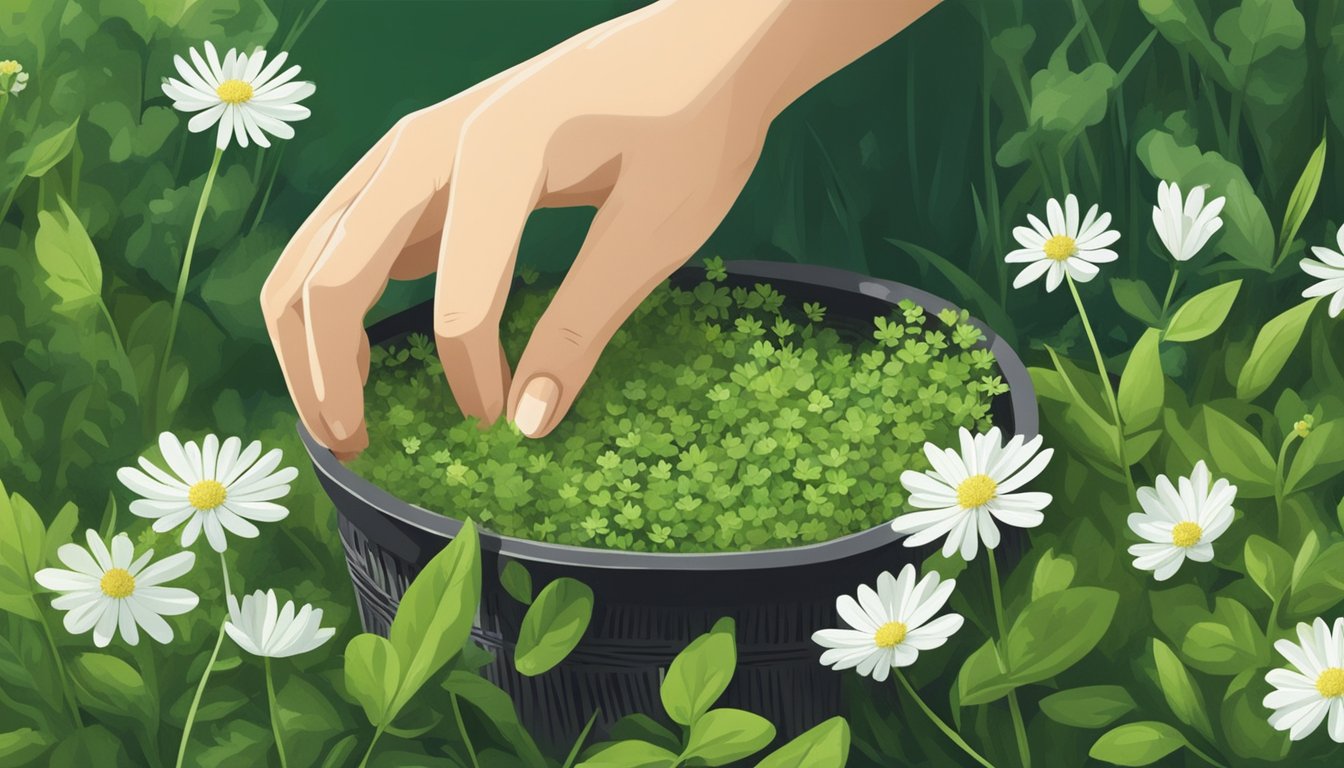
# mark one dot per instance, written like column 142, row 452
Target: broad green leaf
column 68, row 257
column 1035, row 649
column 1253, row 32
column 22, row 746
column 92, row 746
column 1245, row 721
column 517, row 581
column 1053, row 573
column 637, row 727
column 22, row 550
column 1269, row 566
column 1142, row 743
column 1226, row 642
column 553, row 625
column 1273, row 346
column 1304, row 194
column 498, row 710
column 436, row 613
column 1067, row 102
column 1238, row 454
column 50, row 151
column 1319, row 458
column 823, row 745
column 630, row 754
column 697, row 677
column 307, row 719
column 109, row 686
column 722, row 736
column 1306, row 555
column 1180, row 690
column 1137, row 300
column 1320, row 585
column 982, row 678
column 372, row 673
column 1203, row 314
column 1182, row 23
column 1095, row 706
column 1142, row 385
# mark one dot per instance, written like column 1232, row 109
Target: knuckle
column 276, row 300
column 458, row 323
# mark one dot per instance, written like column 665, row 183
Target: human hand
column 656, row 118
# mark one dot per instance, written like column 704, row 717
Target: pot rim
column 1022, row 404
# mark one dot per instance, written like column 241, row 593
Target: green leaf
column 109, row 686
column 498, row 710
column 92, row 746
column 1035, row 649
column 722, row 736
column 1226, row 642
column 824, row 745
column 553, row 625
column 1142, row 385
column 517, row 581
column 630, row 754
column 22, row 549
column 1053, row 573
column 1137, row 300
column 22, row 746
column 1180, row 690
column 1203, row 314
column 1320, row 585
column 982, row 679
column 1304, row 194
column 1269, row 566
column 307, row 720
column 1306, row 556
column 700, row 673
column 372, row 673
column 637, row 727
column 50, row 151
column 1237, row 454
column 1244, row 719
column 1319, row 458
column 1273, row 346
column 435, row 616
column 66, row 254
column 1094, row 706
column 1142, row 743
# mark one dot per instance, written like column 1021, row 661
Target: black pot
column 648, row 606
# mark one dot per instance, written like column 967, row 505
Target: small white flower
column 1303, row 695
column 244, row 97
column 212, row 488
column 965, row 493
column 891, row 626
column 1185, row 225
column 261, row 628
column 1065, row 246
column 1330, row 270
column 111, row 591
column 1180, row 523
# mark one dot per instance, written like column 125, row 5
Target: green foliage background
column 914, row 164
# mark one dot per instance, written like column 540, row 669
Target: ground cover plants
column 719, row 419
column 1177, row 602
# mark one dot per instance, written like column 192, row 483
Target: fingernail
column 339, row 430
column 535, row 406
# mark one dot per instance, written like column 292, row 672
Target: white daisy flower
column 1330, row 270
column 262, row 628
column 965, row 493
column 891, row 626
column 1180, row 521
column 211, row 487
column 1303, row 695
column 12, row 75
column 1185, row 225
column 116, row 591
column 1065, row 246
column 244, row 97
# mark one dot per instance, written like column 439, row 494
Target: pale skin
column 655, row 118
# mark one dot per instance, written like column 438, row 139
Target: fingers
column 491, row 195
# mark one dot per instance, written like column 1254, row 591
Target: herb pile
column 718, row 419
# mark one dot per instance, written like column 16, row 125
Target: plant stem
column 186, row 267
column 111, row 326
column 1019, row 727
column 1202, row 755
column 583, row 737
column 938, row 721
column 196, row 700
column 1278, row 476
column 377, row 733
column 1171, row 290
column 275, row 712
column 60, row 665
column 1106, row 386
column 1272, row 623
column 462, row 728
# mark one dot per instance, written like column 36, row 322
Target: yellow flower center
column 890, row 635
column 10, row 67
column 117, row 583
column 1060, row 247
column 1186, row 534
column 234, row 91
column 1302, row 428
column 976, row 491
column 207, row 494
column 1331, row 683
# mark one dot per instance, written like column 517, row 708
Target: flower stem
column 1015, row 709
column 196, row 700
column 1202, row 755
column 186, row 267
column 938, row 721
column 60, row 666
column 1278, row 476
column 275, row 712
column 1105, row 385
column 377, row 733
column 1171, row 291
column 462, row 728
